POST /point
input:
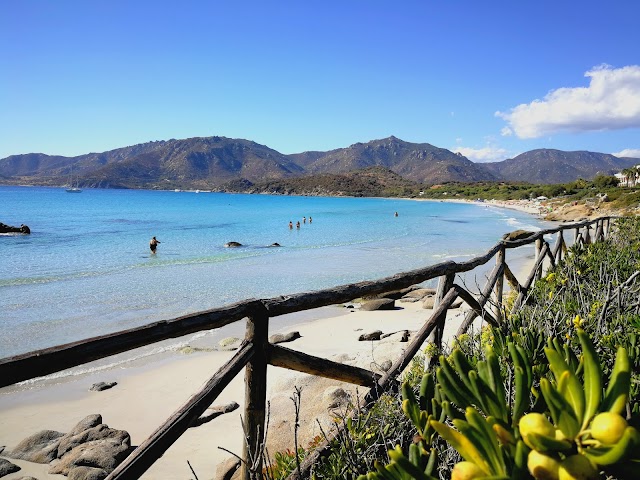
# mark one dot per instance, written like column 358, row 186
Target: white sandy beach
column 146, row 395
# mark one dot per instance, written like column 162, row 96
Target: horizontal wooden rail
column 301, row 362
column 50, row 360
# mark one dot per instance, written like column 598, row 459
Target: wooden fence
column 255, row 352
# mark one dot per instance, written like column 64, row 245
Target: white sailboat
column 73, row 188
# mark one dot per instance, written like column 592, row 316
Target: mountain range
column 212, row 163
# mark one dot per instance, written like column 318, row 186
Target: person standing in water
column 290, row 225
column 153, row 244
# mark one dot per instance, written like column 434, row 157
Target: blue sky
column 489, row 79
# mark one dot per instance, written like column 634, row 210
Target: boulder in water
column 232, row 245
column 24, row 229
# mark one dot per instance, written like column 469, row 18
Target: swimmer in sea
column 290, row 225
column 153, row 244
column 297, row 224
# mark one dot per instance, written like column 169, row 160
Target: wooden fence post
column 539, row 243
column 255, row 383
column 587, row 235
column 445, row 283
column 559, row 247
column 500, row 260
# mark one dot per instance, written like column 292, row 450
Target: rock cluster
column 90, row 451
column 9, row 229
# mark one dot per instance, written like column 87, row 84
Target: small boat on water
column 73, row 188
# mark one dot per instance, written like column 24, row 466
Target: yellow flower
column 578, row 322
column 568, row 336
column 550, row 295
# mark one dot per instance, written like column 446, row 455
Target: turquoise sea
column 86, row 269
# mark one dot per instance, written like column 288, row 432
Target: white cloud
column 628, row 152
column 486, row 154
column 610, row 102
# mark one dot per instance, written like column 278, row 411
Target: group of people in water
column 304, row 220
column 154, row 242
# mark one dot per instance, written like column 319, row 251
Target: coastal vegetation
column 552, row 393
column 603, row 191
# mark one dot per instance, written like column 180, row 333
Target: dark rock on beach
column 429, row 303
column 41, row 447
column 394, row 294
column 87, row 473
column 9, row 229
column 91, row 450
column 372, row 336
column 284, row 337
column 402, row 335
column 379, row 304
column 232, row 244
column 100, row 386
column 419, row 293
column 227, row 469
column 214, row 412
column 6, row 467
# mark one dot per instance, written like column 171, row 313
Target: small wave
column 514, row 222
column 452, row 255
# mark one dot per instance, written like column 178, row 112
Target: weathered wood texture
column 54, row 359
column 255, row 394
column 153, row 447
column 301, row 362
column 499, row 287
column 511, row 278
column 445, row 283
column 485, row 295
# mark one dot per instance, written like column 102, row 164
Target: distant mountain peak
column 209, row 162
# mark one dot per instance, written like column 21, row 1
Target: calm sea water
column 86, row 268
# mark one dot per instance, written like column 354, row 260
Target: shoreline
column 148, row 393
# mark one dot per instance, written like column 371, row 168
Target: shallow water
column 86, row 269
